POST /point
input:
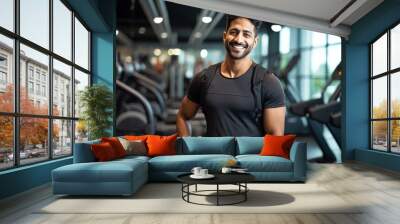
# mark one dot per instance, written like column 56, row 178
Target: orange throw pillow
column 136, row 137
column 277, row 145
column 116, row 145
column 161, row 145
column 103, row 151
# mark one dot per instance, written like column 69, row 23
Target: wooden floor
column 377, row 188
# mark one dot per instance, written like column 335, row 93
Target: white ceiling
column 313, row 15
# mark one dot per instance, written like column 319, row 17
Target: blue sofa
column 125, row 176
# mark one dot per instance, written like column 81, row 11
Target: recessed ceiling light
column 158, row 20
column 142, row 30
column 203, row 53
column 164, row 35
column 276, row 28
column 197, row 35
column 206, row 19
column 157, row 52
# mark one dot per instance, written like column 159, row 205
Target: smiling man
column 238, row 97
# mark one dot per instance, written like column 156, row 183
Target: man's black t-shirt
column 229, row 103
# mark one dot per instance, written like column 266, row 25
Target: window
column 7, row 14
column 319, row 53
column 34, row 21
column 45, row 131
column 81, row 45
column 30, row 87
column 385, row 97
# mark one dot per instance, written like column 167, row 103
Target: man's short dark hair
column 230, row 18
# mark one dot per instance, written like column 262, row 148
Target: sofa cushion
column 116, row 145
column 277, row 145
column 249, row 145
column 185, row 163
column 103, row 152
column 135, row 147
column 257, row 163
column 207, row 145
column 161, row 145
column 111, row 171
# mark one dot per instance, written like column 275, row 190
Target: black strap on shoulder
column 206, row 78
column 258, row 90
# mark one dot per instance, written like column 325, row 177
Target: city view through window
column 38, row 118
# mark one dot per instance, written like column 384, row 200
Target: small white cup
column 196, row 170
column 226, row 170
column 203, row 172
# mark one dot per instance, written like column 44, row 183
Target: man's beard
column 247, row 49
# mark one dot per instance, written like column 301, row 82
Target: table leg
column 245, row 191
column 217, row 194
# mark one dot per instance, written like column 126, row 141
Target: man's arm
column 187, row 111
column 274, row 120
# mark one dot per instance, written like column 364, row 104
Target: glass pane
column 379, row 135
column 318, row 62
column 395, row 95
column 379, row 98
column 62, row 138
column 81, row 131
column 305, row 38
column 379, row 55
column 62, row 89
column 81, row 81
column 62, row 29
column 35, row 21
column 6, row 142
column 7, row 14
column 395, row 136
column 6, row 74
column 332, row 39
column 318, row 39
column 33, row 139
column 334, row 57
column 395, row 47
column 81, row 45
column 284, row 40
column 34, row 92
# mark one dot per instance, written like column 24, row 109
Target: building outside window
column 385, row 96
column 57, row 127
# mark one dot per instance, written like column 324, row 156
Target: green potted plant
column 96, row 104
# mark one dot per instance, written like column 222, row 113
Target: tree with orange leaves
column 33, row 131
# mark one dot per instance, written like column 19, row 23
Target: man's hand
column 274, row 120
column 187, row 111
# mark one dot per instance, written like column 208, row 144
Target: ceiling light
column 206, row 19
column 197, row 35
column 276, row 28
column 176, row 51
column 158, row 20
column 164, row 35
column 157, row 52
column 203, row 53
column 142, row 30
column 116, row 32
column 170, row 52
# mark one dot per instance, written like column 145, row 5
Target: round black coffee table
column 238, row 179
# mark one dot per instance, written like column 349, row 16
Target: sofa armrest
column 298, row 155
column 83, row 152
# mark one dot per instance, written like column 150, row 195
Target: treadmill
column 320, row 114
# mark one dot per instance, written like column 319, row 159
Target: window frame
column 388, row 74
column 16, row 114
